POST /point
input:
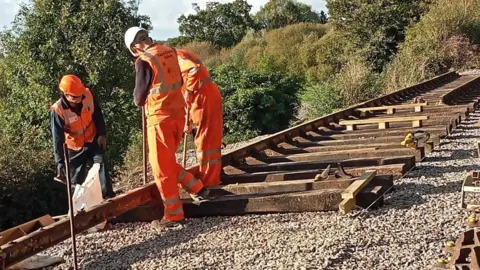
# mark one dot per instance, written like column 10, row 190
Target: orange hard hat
column 72, row 85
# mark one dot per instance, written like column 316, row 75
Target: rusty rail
column 48, row 236
column 255, row 147
column 460, row 91
column 29, row 245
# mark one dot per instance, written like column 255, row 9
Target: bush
column 319, row 99
column 287, row 45
column 357, row 82
column 354, row 83
column 425, row 52
column 256, row 103
column 285, row 49
column 328, row 55
column 208, row 54
column 39, row 50
column 130, row 173
column 248, row 51
column 27, row 189
column 48, row 40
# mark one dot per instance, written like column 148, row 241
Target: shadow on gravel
column 153, row 248
column 345, row 254
column 414, row 193
column 454, row 156
column 459, row 129
column 438, row 172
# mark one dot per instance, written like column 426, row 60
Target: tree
column 323, row 17
column 52, row 38
column 49, row 39
column 256, row 102
column 178, row 41
column 376, row 26
column 280, row 13
column 222, row 25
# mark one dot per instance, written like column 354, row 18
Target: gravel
column 407, row 233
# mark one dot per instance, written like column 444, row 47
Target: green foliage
column 178, row 41
column 323, row 17
column 52, row 38
column 48, row 40
column 280, row 13
column 256, row 103
column 222, row 25
column 354, row 83
column 376, row 26
column 27, row 188
column 319, row 99
column 206, row 52
column 287, row 49
column 288, row 45
column 328, row 55
column 427, row 50
column 130, row 174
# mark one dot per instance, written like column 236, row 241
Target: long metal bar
column 70, row 205
column 35, row 242
column 144, row 133
column 185, row 141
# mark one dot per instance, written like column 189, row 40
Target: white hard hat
column 130, row 36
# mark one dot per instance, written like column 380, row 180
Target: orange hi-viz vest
column 190, row 64
column 78, row 129
column 165, row 98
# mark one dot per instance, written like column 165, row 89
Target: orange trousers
column 163, row 141
column 207, row 115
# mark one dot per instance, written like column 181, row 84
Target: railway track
column 332, row 163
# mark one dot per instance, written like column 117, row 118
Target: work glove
column 188, row 127
column 189, row 96
column 61, row 176
column 102, row 142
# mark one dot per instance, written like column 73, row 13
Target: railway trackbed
column 334, row 163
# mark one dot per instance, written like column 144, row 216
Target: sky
column 163, row 16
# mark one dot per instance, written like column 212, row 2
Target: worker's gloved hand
column 188, row 128
column 102, row 142
column 189, row 96
column 61, row 171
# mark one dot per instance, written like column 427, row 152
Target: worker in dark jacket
column 77, row 119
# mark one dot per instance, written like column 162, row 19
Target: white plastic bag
column 89, row 193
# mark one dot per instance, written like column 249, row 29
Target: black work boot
column 202, row 195
column 165, row 224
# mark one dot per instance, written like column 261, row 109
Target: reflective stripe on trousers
column 210, row 157
column 189, row 182
column 172, row 206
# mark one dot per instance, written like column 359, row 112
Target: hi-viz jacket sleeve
column 57, row 124
column 143, row 78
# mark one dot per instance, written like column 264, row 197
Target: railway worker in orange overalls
column 77, row 120
column 158, row 88
column 204, row 105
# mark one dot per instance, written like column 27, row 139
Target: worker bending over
column 77, row 118
column 204, row 104
column 158, row 86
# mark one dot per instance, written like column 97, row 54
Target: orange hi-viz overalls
column 204, row 103
column 165, row 110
